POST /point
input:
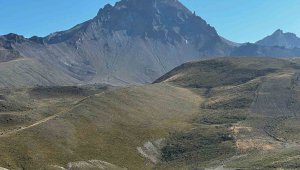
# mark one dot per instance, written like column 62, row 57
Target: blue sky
column 237, row 20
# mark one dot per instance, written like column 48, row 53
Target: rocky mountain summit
column 132, row 42
column 281, row 39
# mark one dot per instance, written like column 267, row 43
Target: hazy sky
column 237, row 20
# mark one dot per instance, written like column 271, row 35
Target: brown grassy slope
column 259, row 96
column 108, row 126
column 203, row 110
column 223, row 71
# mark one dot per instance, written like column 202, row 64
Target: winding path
column 10, row 132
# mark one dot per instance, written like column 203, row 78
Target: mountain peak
column 279, row 38
column 143, row 5
column 167, row 20
column 7, row 40
column 164, row 20
column 279, row 31
column 13, row 38
column 174, row 3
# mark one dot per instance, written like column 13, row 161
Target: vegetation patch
column 12, row 106
column 200, row 145
column 222, row 117
column 11, row 119
column 236, row 103
column 59, row 91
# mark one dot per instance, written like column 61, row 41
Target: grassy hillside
column 215, row 113
column 257, row 98
column 107, row 126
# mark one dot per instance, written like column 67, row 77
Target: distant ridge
column 281, row 39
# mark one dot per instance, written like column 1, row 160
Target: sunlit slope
column 108, row 126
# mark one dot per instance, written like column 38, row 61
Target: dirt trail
column 10, row 132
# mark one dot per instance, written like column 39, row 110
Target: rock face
column 281, row 39
column 133, row 42
column 7, row 53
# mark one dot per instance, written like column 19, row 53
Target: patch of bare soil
column 245, row 141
